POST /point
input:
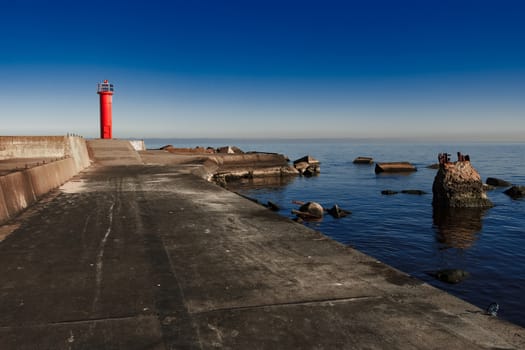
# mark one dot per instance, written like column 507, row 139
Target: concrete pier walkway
column 153, row 257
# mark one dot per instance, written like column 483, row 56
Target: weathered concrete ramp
column 151, row 257
column 113, row 152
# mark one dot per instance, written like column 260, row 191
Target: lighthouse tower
column 105, row 90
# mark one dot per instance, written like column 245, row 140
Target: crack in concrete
column 83, row 321
column 100, row 263
column 293, row 303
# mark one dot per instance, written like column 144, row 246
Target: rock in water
column 388, row 192
column 458, row 185
column 394, row 167
column 515, row 192
column 310, row 211
column 307, row 166
column 416, row 192
column 337, row 212
column 363, row 160
column 272, row 206
column 313, row 208
column 493, row 181
column 451, row 275
column 492, row 310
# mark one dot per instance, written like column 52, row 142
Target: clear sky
column 265, row 68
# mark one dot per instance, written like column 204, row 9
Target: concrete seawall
column 149, row 256
column 32, row 146
column 45, row 147
column 65, row 155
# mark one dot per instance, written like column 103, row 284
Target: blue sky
column 266, row 69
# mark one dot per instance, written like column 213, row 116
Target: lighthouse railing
column 104, row 87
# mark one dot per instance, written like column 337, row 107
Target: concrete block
column 76, row 148
column 394, row 167
column 49, row 176
column 138, row 145
column 18, row 192
column 4, row 214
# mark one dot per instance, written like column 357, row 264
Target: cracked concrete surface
column 187, row 264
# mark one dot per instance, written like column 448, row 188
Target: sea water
column 403, row 230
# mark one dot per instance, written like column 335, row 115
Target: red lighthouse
column 105, row 90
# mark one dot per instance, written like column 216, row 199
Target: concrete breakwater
column 149, row 256
column 34, row 165
column 146, row 255
column 225, row 168
column 58, row 158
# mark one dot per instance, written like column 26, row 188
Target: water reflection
column 457, row 227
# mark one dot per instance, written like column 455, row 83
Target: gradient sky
column 266, row 69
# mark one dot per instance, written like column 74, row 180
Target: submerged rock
column 363, row 160
column 451, row 276
column 515, row 192
column 311, row 171
column 458, row 185
column 388, row 192
column 416, row 192
column 493, row 181
column 272, row 206
column 337, row 212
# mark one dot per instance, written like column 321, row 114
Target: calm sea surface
column 402, row 230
